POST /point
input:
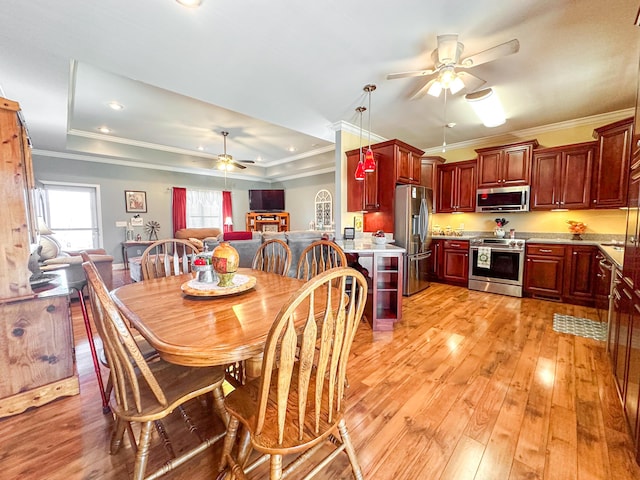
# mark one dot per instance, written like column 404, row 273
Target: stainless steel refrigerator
column 413, row 207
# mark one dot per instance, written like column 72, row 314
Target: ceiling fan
column 450, row 71
column 226, row 161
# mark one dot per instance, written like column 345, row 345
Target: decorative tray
column 241, row 283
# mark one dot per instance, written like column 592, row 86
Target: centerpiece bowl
column 225, row 260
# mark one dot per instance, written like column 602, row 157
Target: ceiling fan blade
column 471, row 82
column 414, row 73
column 449, row 49
column 504, row 49
column 237, row 165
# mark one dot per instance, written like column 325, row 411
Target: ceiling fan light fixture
column 435, row 89
column 486, row 105
column 456, row 85
column 190, row 3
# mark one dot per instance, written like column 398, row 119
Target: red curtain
column 227, row 212
column 179, row 209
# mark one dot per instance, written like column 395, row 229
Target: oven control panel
column 498, row 243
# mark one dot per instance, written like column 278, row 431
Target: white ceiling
column 283, row 73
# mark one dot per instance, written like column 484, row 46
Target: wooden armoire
column 37, row 356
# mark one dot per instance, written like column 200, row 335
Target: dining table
column 206, row 330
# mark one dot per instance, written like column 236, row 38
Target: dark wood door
column 435, row 260
column 612, row 164
column 456, row 266
column 466, row 185
column 489, row 169
column 544, row 276
column 362, row 195
column 516, row 166
column 577, row 165
column 633, row 369
column 446, row 188
column 403, row 166
column 623, row 338
column 580, row 286
column 544, row 181
column 355, row 188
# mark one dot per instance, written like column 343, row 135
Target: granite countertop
column 365, row 246
column 615, row 253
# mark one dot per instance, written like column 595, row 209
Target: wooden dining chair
column 319, row 256
column 147, row 391
column 298, row 404
column 167, row 257
column 273, row 256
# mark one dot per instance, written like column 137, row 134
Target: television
column 266, row 200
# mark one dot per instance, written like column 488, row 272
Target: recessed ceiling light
column 451, row 124
column 190, row 3
column 259, row 158
column 115, row 106
column 291, row 149
column 104, row 130
column 201, row 148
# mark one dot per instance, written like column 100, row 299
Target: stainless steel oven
column 496, row 265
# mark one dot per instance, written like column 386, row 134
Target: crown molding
column 149, row 166
column 603, row 118
column 306, row 174
column 355, row 130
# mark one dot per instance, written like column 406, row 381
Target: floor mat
column 581, row 327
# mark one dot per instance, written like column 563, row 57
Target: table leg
column 125, row 257
column 253, row 367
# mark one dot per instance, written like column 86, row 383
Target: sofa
column 52, row 255
column 197, row 236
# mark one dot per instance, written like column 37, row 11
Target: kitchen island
column 382, row 265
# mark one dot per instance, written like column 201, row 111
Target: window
column 204, row 209
column 72, row 213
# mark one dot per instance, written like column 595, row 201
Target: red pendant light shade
column 360, row 171
column 359, row 175
column 369, row 162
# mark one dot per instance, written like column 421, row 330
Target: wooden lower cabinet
column 384, row 298
column 455, row 262
column 435, row 260
column 580, row 287
column 544, row 271
column 563, row 273
column 37, row 355
column 624, row 352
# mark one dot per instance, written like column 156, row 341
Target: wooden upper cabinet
column 402, row 158
column 456, row 187
column 561, row 177
column 362, row 196
column 408, row 166
column 429, row 175
column 611, row 168
column 505, row 166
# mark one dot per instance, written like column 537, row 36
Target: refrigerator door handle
column 424, row 220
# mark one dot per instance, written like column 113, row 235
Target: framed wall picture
column 135, row 201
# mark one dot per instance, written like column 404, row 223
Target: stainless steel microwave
column 503, row 199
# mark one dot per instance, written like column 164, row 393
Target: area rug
column 581, row 327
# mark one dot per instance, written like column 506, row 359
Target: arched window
column 324, row 210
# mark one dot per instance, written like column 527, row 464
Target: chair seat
column 178, row 383
column 243, row 404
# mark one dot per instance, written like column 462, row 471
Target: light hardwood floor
column 468, row 386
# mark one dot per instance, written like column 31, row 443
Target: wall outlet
column 121, row 224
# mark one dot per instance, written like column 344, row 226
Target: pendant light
column 360, row 168
column 369, row 161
